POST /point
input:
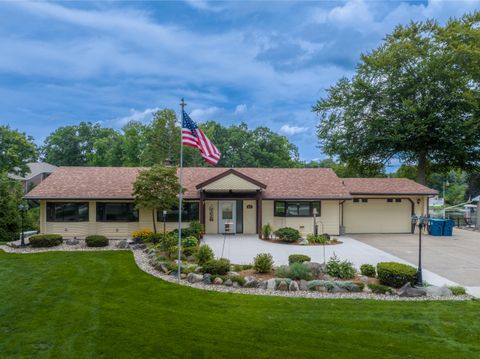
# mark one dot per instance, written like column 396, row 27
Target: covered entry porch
column 231, row 202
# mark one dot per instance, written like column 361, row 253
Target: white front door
column 227, row 216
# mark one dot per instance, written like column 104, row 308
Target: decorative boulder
column 72, row 242
column 408, row 291
column 207, row 278
column 218, row 281
column 303, row 242
column 303, row 285
column 250, row 282
column 364, row 279
column 283, row 286
column 271, row 284
column 434, row 291
column 337, row 289
column 293, row 287
column 199, row 270
column 236, row 285
column 232, row 274
column 262, row 284
column 315, row 268
column 183, row 276
column 228, row 282
column 194, row 278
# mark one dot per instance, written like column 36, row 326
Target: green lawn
column 99, row 305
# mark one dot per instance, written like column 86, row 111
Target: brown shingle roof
column 116, row 182
column 281, row 183
column 378, row 186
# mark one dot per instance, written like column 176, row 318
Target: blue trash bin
column 448, row 227
column 436, row 227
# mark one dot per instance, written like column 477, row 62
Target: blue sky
column 265, row 63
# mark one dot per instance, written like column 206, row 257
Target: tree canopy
column 415, row 98
column 16, row 150
column 156, row 188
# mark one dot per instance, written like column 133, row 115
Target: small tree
column 157, row 187
column 10, row 198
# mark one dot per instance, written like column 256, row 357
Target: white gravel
column 142, row 261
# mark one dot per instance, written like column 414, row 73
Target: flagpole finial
column 183, row 104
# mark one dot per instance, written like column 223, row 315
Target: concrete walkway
column 241, row 249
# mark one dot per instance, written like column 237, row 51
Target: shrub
column 263, row 263
column 196, row 229
column 239, row 279
column 266, row 231
column 144, row 234
column 240, row 267
column 204, row 254
column 368, row 270
column 360, row 285
column 457, row 290
column 395, row 274
column 166, row 241
column 189, row 251
column 287, row 234
column 173, row 252
column 319, row 238
column 340, row 269
column 217, row 266
column 295, row 271
column 45, row 240
column 96, row 241
column 298, row 258
column 380, row 289
column 190, row 241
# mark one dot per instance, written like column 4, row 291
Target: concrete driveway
column 456, row 258
column 241, row 249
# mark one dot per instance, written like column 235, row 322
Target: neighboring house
column 78, row 201
column 38, row 171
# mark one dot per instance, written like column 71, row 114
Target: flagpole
column 180, row 198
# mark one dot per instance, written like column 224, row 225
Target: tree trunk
column 422, row 167
column 154, row 222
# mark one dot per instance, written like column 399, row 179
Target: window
column 190, row 213
column 390, row 200
column 364, row 200
column 67, row 211
column 116, row 212
column 398, row 200
column 356, row 200
column 295, row 209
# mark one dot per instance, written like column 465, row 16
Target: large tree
column 10, row 197
column 16, row 150
column 156, row 188
column 414, row 99
column 163, row 138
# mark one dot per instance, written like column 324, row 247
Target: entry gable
column 231, row 180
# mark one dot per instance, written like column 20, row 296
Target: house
column 78, row 201
column 38, row 171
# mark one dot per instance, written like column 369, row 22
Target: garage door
column 377, row 216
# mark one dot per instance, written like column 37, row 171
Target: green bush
column 96, row 240
column 395, row 274
column 166, row 241
column 190, row 241
column 189, row 251
column 173, row 253
column 340, row 269
column 287, row 234
column 196, row 229
column 45, row 240
column 298, row 258
column 204, row 254
column 239, row 279
column 295, row 271
column 457, row 290
column 360, row 285
column 240, row 267
column 380, row 289
column 368, row 270
column 217, row 266
column 263, row 263
column 266, row 231
column 319, row 238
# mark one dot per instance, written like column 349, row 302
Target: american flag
column 194, row 137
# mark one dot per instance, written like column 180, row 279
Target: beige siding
column 231, row 182
column 211, row 217
column 377, row 216
column 329, row 219
column 249, row 217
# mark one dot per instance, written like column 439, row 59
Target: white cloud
column 292, row 130
column 142, row 116
column 204, row 114
column 203, row 5
column 240, row 109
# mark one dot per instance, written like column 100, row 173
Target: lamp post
column 164, row 220
column 420, row 221
column 23, row 208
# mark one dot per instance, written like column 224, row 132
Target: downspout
column 341, row 230
column 412, row 214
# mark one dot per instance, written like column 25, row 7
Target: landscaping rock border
column 297, row 290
